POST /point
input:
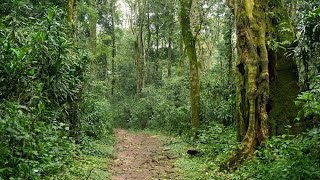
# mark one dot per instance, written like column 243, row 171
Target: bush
column 309, row 104
column 286, row 157
column 29, row 146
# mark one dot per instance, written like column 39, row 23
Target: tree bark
column 266, row 80
column 252, row 78
column 113, row 81
column 93, row 27
column 140, row 49
column 283, row 72
column 170, row 53
column 70, row 12
column 74, row 121
column 190, row 44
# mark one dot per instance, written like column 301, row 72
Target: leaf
column 50, row 16
column 31, row 72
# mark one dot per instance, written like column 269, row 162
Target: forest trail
column 141, row 156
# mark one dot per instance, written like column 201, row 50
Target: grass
column 92, row 162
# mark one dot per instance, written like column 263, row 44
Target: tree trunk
column 75, row 19
column 283, row 73
column 93, row 27
column 170, row 54
column 260, row 69
column 190, row 44
column 113, row 81
column 70, row 12
column 140, row 49
column 252, row 78
column 72, row 108
column 147, row 65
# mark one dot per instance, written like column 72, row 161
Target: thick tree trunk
column 283, row 72
column 252, row 77
column 190, row 44
column 258, row 70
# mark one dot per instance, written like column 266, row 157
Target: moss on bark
column 266, row 79
column 190, row 44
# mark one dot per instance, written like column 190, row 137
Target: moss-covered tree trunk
column 266, row 85
column 253, row 73
column 283, row 70
column 252, row 77
column 70, row 12
column 190, row 44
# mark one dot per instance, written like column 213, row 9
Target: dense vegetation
column 237, row 80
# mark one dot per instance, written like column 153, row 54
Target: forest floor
column 141, row 155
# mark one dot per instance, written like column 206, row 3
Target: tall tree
column 259, row 68
column 93, row 25
column 73, row 103
column 190, row 43
column 113, row 36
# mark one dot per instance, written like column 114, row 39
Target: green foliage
column 96, row 117
column 30, row 147
column 164, row 109
column 286, row 157
column 282, row 157
column 45, row 93
column 217, row 101
column 215, row 139
column 308, row 42
column 309, row 104
column 92, row 162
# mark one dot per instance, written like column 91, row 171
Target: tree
column 260, row 66
column 113, row 36
column 93, row 25
column 190, row 43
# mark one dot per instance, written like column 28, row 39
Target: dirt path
column 141, row 156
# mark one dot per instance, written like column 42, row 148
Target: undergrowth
column 283, row 157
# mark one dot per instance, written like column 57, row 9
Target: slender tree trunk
column 147, row 65
column 74, row 121
column 169, row 55
column 93, row 27
column 113, row 81
column 140, row 49
column 190, row 43
column 70, row 12
column 75, row 19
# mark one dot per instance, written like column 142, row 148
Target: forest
column 159, row 89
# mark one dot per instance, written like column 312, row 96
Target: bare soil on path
column 142, row 156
